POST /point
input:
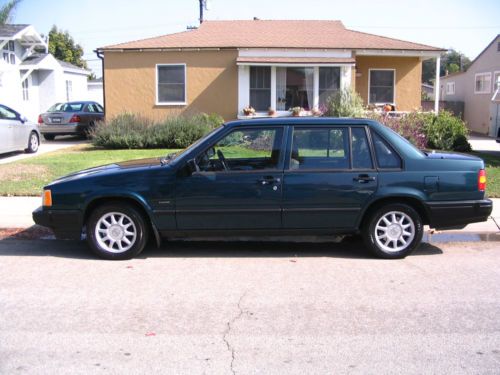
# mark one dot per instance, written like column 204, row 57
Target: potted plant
column 271, row 112
column 316, row 112
column 248, row 110
column 296, row 111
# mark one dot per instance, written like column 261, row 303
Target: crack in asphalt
column 227, row 331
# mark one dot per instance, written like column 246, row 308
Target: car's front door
column 329, row 177
column 237, row 185
column 7, row 122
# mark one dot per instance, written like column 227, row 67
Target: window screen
column 381, row 86
column 171, row 84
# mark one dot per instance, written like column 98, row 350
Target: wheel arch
column 411, row 201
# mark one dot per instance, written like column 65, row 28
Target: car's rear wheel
column 393, row 231
column 33, row 143
column 49, row 137
column 117, row 231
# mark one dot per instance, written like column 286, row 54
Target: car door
column 7, row 120
column 238, row 184
column 20, row 134
column 328, row 178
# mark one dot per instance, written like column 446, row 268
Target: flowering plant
column 248, row 110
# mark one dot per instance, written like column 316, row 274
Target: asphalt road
column 275, row 308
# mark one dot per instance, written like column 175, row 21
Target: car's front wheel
column 393, row 231
column 33, row 143
column 117, row 231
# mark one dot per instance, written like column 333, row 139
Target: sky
column 467, row 26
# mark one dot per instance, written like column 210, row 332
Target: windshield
column 176, row 155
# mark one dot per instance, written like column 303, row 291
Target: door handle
column 364, row 178
column 269, row 180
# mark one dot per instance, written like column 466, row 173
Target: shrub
column 447, row 132
column 134, row 131
column 345, row 103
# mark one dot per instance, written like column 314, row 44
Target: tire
column 393, row 231
column 33, row 143
column 49, row 137
column 107, row 229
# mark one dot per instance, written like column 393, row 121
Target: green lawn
column 28, row 177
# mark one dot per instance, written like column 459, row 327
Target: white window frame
column 450, row 88
column 496, row 74
column 488, row 90
column 157, row 101
column 69, row 89
column 393, row 83
column 26, row 89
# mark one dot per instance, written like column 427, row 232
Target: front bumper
column 66, row 224
column 444, row 215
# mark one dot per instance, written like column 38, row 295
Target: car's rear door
column 328, row 178
column 238, row 185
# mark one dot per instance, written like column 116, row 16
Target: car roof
column 283, row 121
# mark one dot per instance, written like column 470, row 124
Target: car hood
column 111, row 168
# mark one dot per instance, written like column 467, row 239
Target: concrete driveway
column 45, row 146
column 226, row 308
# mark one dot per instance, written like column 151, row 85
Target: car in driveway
column 71, row 118
column 16, row 132
column 282, row 176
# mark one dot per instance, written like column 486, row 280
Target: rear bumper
column 66, row 224
column 63, row 129
column 444, row 215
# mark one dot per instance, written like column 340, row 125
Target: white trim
column 316, row 88
column 450, row 88
column 400, row 53
column 498, row 79
column 393, row 83
column 157, row 102
column 294, row 65
column 437, row 85
column 243, row 87
column 273, row 84
column 283, row 52
column 485, row 74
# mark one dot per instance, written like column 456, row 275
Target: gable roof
column 272, row 34
column 8, row 31
column 37, row 58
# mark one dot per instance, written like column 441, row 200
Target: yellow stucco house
column 225, row 66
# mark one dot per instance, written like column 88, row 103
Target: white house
column 477, row 88
column 31, row 82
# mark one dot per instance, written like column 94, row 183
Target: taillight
column 40, row 119
column 75, row 118
column 481, row 180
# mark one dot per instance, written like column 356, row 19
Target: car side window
column 361, row 156
column 386, row 156
column 320, row 148
column 89, row 108
column 243, row 150
column 6, row 114
column 99, row 108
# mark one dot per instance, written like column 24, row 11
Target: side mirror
column 23, row 118
column 210, row 152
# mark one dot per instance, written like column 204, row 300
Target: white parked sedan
column 16, row 132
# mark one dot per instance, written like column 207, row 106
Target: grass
column 28, row 177
column 492, row 163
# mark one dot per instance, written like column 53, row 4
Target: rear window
column 67, row 107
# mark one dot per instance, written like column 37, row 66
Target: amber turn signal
column 47, row 198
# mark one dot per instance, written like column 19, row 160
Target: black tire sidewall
column 30, row 150
column 49, row 137
column 137, row 218
column 369, row 231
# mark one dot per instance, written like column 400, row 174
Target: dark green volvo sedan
column 282, row 176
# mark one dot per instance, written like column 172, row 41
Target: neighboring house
column 31, row 82
column 428, row 89
column 476, row 88
column 224, row 66
column 95, row 92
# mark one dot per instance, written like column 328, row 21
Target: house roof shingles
column 272, row 34
column 8, row 31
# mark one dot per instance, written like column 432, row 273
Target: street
column 244, row 308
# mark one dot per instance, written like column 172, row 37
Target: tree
column 7, row 11
column 64, row 48
column 452, row 61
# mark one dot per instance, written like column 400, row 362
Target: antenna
column 204, row 5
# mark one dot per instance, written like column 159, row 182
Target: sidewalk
column 15, row 212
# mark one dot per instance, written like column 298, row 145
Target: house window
column 329, row 82
column 69, row 90
column 171, row 84
column 26, row 89
column 450, row 88
column 381, row 86
column 260, row 87
column 299, row 88
column 483, row 83
column 496, row 81
column 9, row 54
